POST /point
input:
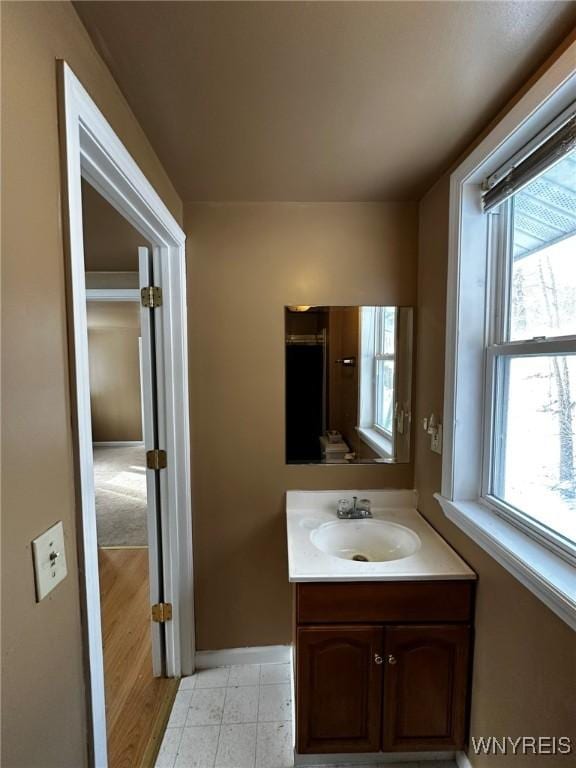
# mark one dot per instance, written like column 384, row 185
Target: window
column 378, row 331
column 510, row 387
column 530, row 472
column 384, row 365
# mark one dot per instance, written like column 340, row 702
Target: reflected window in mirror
column 348, row 384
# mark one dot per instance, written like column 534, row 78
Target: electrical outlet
column 49, row 560
column 436, row 439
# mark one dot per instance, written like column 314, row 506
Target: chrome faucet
column 357, row 509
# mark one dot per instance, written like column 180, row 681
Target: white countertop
column 306, row 510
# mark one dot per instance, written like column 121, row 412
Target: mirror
column 348, row 384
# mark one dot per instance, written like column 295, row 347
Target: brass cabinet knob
column 377, row 658
column 391, row 658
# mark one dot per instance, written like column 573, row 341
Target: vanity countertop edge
column 436, row 560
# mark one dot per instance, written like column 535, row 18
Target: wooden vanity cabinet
column 426, row 687
column 339, row 689
column 378, row 682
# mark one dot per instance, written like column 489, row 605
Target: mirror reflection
column 348, row 384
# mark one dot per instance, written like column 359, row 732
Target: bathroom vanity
column 382, row 644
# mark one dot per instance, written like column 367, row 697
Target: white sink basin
column 365, row 540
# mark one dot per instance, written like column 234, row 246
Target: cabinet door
column 339, row 689
column 426, row 687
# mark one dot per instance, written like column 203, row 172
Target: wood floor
column 137, row 704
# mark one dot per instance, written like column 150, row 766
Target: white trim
column 462, row 760
column 366, row 346
column 91, row 150
column 545, row 574
column 536, row 529
column 468, row 333
column 117, row 443
column 560, row 345
column 264, row 654
column 377, row 441
column 112, row 294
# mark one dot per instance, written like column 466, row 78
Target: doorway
column 95, row 159
column 137, row 696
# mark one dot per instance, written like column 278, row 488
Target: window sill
column 547, row 575
column 376, row 440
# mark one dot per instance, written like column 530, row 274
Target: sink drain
column 361, row 558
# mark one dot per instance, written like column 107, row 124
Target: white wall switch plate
column 49, row 560
column 436, row 440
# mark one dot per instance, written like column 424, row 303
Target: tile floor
column 237, row 717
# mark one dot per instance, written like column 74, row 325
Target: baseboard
column 118, row 444
column 264, row 654
column 370, row 758
column 462, row 760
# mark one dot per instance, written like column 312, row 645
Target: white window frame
column 500, row 244
column 379, row 439
column 542, row 569
column 388, row 433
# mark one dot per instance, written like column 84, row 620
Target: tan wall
column 110, row 241
column 525, row 657
column 43, row 711
column 113, row 349
column 245, row 262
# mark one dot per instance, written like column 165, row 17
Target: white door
column 150, row 432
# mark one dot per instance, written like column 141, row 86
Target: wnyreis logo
column 522, row 745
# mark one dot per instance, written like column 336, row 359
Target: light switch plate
column 49, row 560
column 436, row 440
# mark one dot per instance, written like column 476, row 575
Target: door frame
column 91, row 150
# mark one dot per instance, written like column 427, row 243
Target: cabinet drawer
column 383, row 602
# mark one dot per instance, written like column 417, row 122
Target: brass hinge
column 156, row 459
column 162, row 612
column 151, row 297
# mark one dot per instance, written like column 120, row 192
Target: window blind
column 546, row 149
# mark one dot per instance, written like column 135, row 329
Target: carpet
column 120, row 485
